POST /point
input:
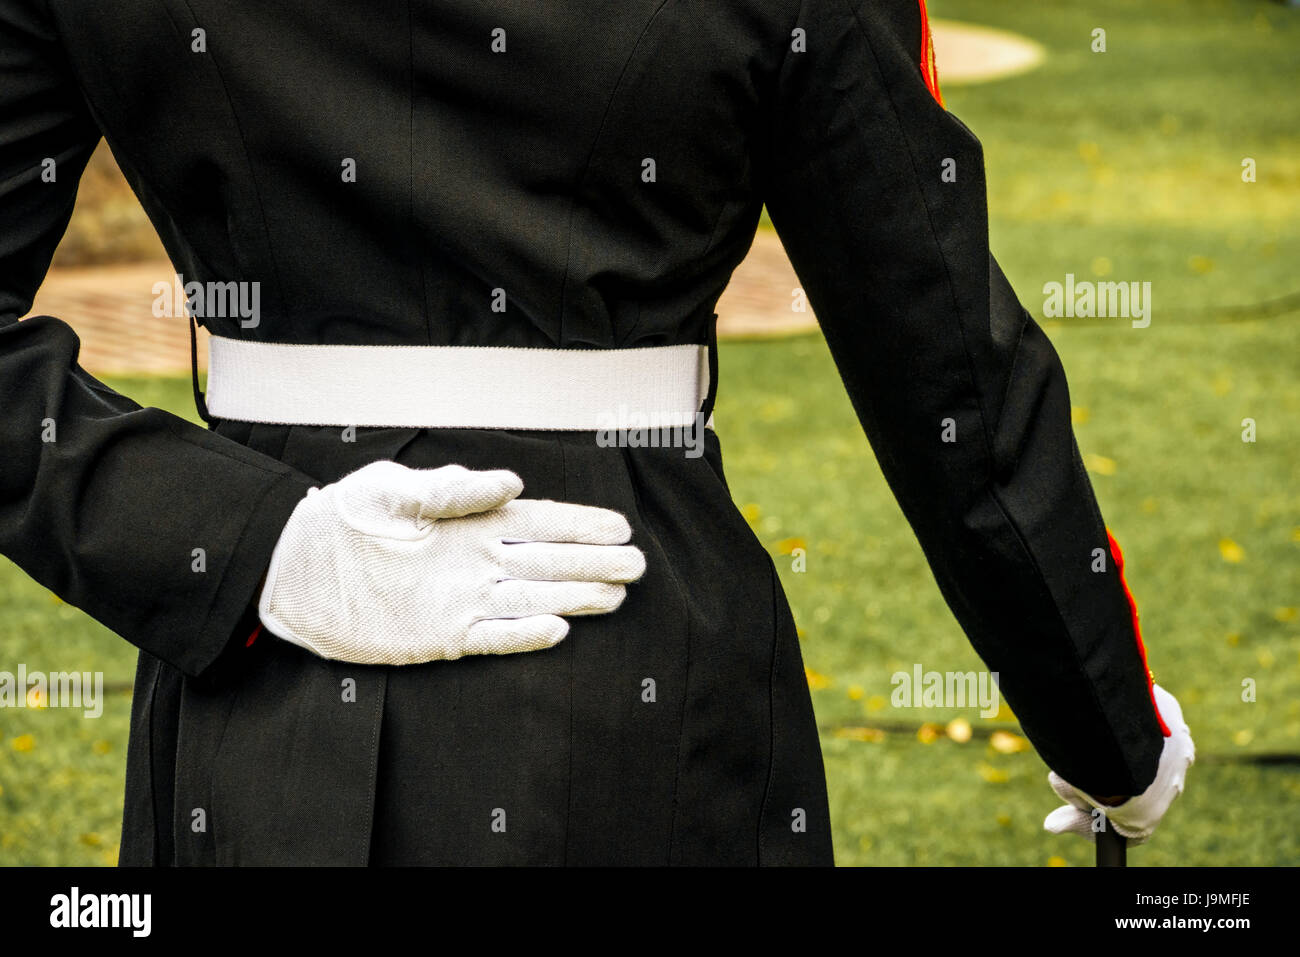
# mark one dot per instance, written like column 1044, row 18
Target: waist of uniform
column 458, row 387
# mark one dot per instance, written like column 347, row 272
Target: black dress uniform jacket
column 480, row 168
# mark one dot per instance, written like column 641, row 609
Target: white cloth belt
column 457, row 387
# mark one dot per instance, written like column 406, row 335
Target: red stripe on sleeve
column 928, row 70
column 1137, row 631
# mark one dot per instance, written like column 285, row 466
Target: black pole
column 1112, row 848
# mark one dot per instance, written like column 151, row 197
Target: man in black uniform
column 408, row 185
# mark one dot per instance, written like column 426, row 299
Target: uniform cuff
column 234, row 605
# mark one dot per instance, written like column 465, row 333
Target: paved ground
column 968, row 53
column 111, row 307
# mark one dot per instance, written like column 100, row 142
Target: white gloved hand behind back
column 397, row 566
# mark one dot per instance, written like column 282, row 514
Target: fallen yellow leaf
column 1231, row 551
column 816, row 681
column 959, row 730
column 1005, row 742
column 1099, row 464
column 787, row 545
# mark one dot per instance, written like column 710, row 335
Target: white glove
column 1137, row 817
column 395, row 566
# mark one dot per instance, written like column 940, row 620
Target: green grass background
column 1123, row 165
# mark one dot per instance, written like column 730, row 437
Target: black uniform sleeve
column 104, row 502
column 932, row 344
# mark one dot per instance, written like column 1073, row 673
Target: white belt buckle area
column 457, row 387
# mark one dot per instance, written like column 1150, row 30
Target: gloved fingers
column 569, row 561
column 389, row 500
column 1069, row 819
column 1068, row 792
column 519, row 598
column 1135, row 835
column 542, row 520
column 1137, row 818
column 505, row 636
column 453, row 491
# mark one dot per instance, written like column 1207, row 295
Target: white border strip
column 456, row 387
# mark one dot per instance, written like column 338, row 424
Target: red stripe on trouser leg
column 253, row 637
column 1137, row 631
column 928, row 70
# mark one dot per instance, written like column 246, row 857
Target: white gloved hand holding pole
column 396, row 566
column 1137, row 817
